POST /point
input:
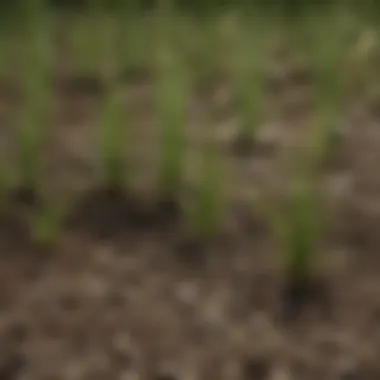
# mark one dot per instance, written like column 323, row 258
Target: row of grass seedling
column 298, row 225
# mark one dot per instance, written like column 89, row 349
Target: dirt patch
column 106, row 213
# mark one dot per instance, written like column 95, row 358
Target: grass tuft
column 172, row 105
column 250, row 55
column 35, row 116
column 47, row 224
column 298, row 222
column 209, row 207
column 112, row 141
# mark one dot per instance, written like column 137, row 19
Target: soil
column 127, row 292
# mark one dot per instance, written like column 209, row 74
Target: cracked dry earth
column 143, row 305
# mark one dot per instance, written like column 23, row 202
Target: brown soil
column 127, row 293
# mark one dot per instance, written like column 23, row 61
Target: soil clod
column 86, row 84
column 25, row 196
column 191, row 252
column 168, row 210
column 13, row 233
column 246, row 147
column 298, row 296
column 256, row 369
column 166, row 376
column 106, row 213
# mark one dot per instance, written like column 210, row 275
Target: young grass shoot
column 248, row 73
column 172, row 101
column 210, row 206
column 37, row 91
column 112, row 141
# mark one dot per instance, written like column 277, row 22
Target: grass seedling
column 303, row 228
column 5, row 184
column 47, row 224
column 5, row 170
column 171, row 103
column 132, row 37
column 5, row 46
column 35, row 114
column 298, row 223
column 207, row 45
column 168, row 106
column 86, row 38
column 329, row 48
column 249, row 77
column 172, row 106
column 112, row 141
column 327, row 134
column 112, row 118
column 31, row 145
column 210, row 202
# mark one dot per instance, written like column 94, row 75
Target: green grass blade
column 112, row 141
column 209, row 208
column 36, row 112
column 172, row 107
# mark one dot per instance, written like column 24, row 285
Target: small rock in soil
column 166, row 376
column 256, row 369
column 168, row 210
column 191, row 252
column 296, row 297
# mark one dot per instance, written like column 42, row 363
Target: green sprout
column 303, row 231
column 47, row 224
column 132, row 36
column 210, row 202
column 87, row 38
column 249, row 58
column 328, row 51
column 171, row 98
column 298, row 224
column 112, row 141
column 36, row 112
column 172, row 104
